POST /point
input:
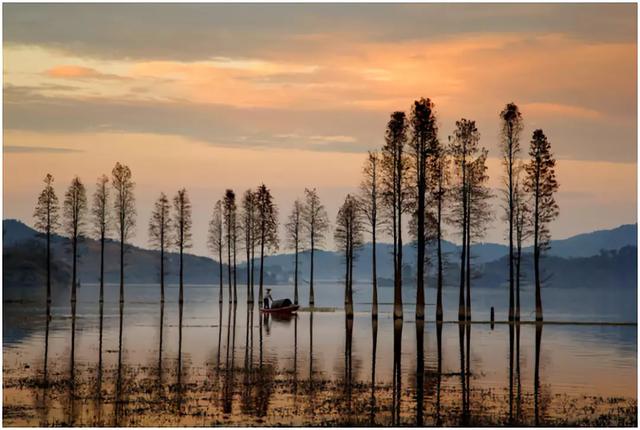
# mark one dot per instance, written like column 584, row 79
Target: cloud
column 557, row 109
column 78, row 72
column 16, row 149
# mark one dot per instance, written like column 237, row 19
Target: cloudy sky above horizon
column 216, row 96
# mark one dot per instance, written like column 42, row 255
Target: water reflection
column 266, row 382
column 397, row 372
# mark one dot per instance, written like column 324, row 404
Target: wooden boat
column 281, row 310
column 280, row 307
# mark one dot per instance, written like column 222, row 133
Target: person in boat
column 267, row 300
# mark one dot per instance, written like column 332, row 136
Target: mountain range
column 604, row 256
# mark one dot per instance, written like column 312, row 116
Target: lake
column 150, row 365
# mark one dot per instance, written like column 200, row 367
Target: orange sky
column 217, row 96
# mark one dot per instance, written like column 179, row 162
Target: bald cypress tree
column 394, row 178
column 215, row 241
column 125, row 212
column 160, row 233
column 349, row 238
column 182, row 237
column 424, row 135
column 511, row 127
column 230, row 209
column 100, row 219
column 293, row 229
column 74, row 212
column 268, row 228
column 369, row 201
column 541, row 184
column 47, row 221
column 316, row 223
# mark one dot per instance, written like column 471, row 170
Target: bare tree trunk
column 122, row 264
column 518, row 263
column 311, row 297
column 511, row 308
column 253, row 270
column 161, row 269
column 374, row 305
column 463, row 256
column 468, row 262
column 397, row 300
column 181, row 300
column 48, row 259
column 261, row 296
column 248, row 244
column 220, row 293
column 439, row 311
column 420, row 262
column 235, row 286
column 74, row 245
column 295, row 277
column 536, row 248
column 461, row 305
column 229, row 264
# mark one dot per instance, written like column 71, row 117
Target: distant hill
column 568, row 262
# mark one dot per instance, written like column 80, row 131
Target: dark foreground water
column 150, row 365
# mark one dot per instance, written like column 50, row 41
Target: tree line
column 433, row 183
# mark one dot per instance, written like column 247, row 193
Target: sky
column 216, row 96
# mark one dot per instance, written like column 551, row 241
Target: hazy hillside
column 23, row 266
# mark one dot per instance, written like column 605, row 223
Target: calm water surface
column 147, row 364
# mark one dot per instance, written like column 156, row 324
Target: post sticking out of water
column 493, row 317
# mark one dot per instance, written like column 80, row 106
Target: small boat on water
column 284, row 306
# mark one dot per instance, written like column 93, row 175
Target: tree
column 394, row 173
column 522, row 224
column 47, row 221
column 215, row 240
column 541, row 183
column 182, row 224
column 268, row 228
column 478, row 212
column 511, row 127
column 160, row 233
column 462, row 146
column 100, row 218
column 125, row 212
column 74, row 211
column 293, row 230
column 368, row 202
column 316, row 223
column 248, row 229
column 437, row 186
column 424, row 137
column 348, row 236
column 229, row 203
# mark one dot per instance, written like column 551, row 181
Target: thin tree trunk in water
column 374, row 300
column 295, row 277
column 161, row 271
column 536, row 248
column 102, row 267
column 518, row 262
column 536, row 377
column 220, row 293
column 311, row 298
column 420, row 262
column 468, row 270
column 346, row 277
column 121, row 261
column 261, row 296
column 253, row 269
column 439, row 313
column 249, row 298
column 235, row 285
column 463, row 256
column 350, row 314
column 181, row 276
column 48, row 261
column 74, row 245
column 511, row 308
column 229, row 265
